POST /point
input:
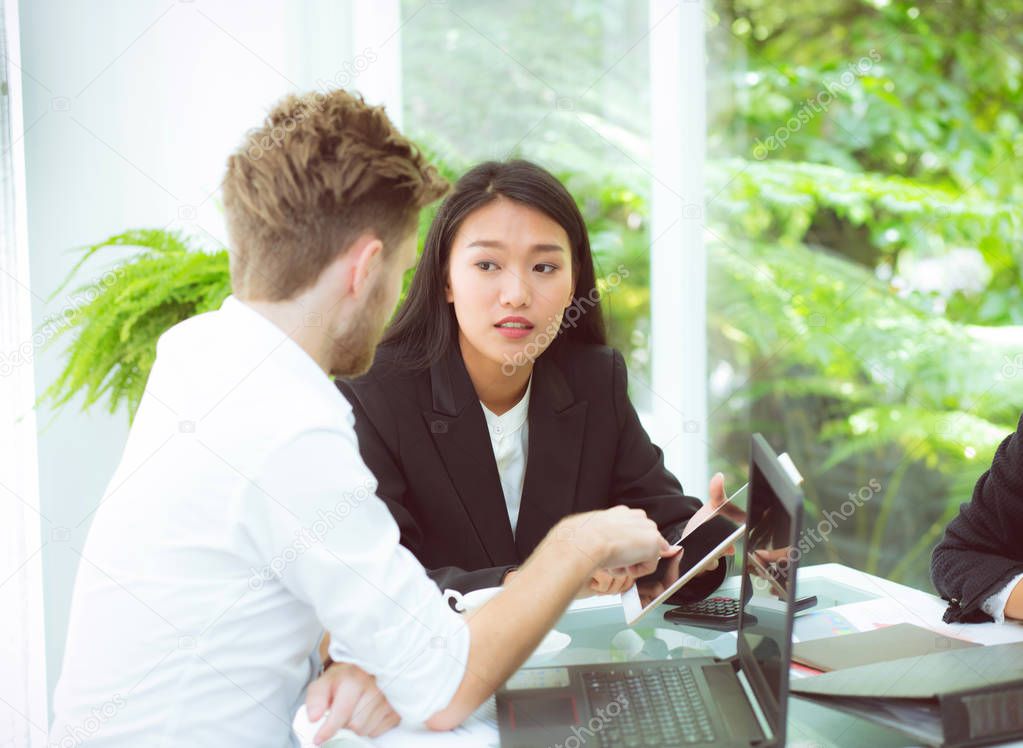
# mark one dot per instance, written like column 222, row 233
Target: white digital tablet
column 701, row 547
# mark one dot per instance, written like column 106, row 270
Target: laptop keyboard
column 655, row 707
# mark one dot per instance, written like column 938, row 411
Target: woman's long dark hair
column 425, row 328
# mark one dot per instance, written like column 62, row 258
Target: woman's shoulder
column 590, row 364
column 590, row 352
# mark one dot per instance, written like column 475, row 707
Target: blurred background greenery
column 869, row 265
column 863, row 229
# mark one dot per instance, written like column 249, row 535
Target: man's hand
column 619, row 540
column 717, row 503
column 354, row 701
column 602, row 583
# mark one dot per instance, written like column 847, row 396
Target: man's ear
column 367, row 255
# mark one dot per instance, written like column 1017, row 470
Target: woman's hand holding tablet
column 718, row 503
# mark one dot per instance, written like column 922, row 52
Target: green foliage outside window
column 866, row 255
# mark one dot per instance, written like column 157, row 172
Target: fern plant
column 124, row 314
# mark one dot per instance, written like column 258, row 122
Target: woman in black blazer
column 504, row 305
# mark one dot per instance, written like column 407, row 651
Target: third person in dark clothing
column 978, row 566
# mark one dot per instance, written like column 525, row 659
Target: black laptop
column 699, row 701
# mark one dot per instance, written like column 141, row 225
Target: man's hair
column 323, row 169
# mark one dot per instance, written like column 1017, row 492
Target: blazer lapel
column 460, row 433
column 556, row 428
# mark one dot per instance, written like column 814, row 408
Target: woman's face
column 510, row 280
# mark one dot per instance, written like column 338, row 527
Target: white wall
column 131, row 108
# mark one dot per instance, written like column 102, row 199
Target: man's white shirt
column 240, row 522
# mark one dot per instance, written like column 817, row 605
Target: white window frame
column 24, row 712
column 678, row 261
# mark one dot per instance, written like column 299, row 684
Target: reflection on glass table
column 601, row 635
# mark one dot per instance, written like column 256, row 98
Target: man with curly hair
column 224, row 549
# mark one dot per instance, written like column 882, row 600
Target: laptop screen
column 770, row 558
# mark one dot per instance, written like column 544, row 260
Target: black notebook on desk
column 962, row 697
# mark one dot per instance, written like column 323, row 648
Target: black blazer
column 982, row 548
column 424, row 436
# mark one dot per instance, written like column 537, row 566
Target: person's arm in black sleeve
column 392, row 488
column 982, row 550
column 640, row 480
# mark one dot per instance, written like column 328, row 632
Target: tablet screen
column 701, row 547
column 696, row 547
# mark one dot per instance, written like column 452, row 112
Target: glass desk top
column 601, row 635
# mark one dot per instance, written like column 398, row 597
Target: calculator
column 723, row 612
column 714, row 612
